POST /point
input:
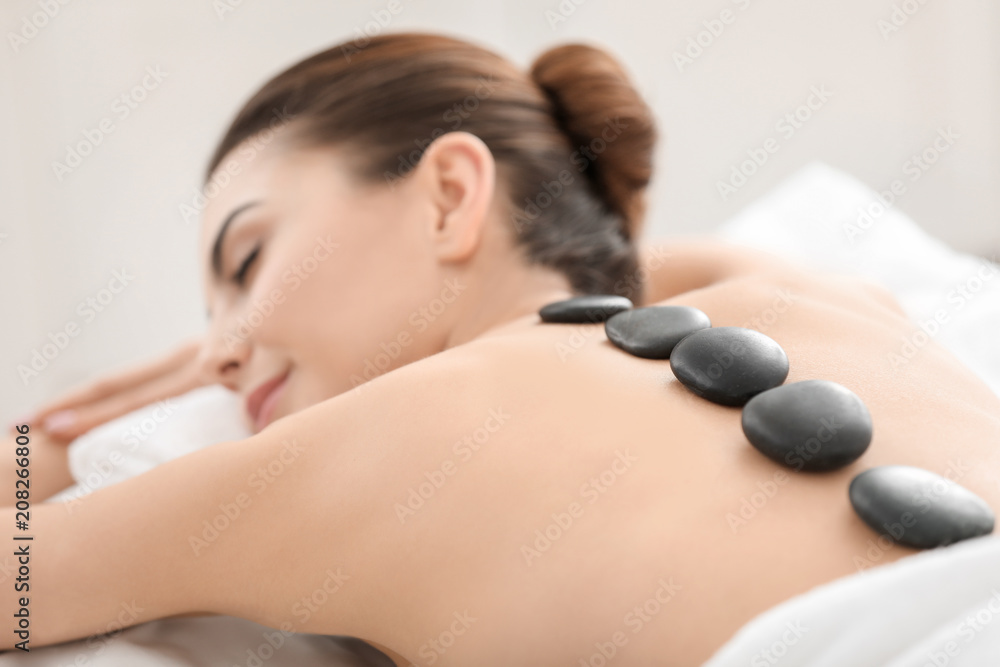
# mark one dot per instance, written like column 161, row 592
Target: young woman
column 435, row 471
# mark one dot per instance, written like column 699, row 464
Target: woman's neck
column 507, row 302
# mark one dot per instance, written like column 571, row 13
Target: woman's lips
column 260, row 404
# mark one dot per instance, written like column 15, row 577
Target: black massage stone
column 918, row 508
column 584, row 309
column 811, row 425
column 652, row 332
column 728, row 365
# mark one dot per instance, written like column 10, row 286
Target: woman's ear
column 459, row 173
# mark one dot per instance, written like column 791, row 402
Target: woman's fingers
column 81, row 419
column 88, row 406
column 125, row 380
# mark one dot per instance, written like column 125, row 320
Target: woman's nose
column 222, row 358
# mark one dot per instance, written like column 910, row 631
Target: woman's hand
column 80, row 410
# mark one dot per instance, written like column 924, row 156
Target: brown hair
column 572, row 139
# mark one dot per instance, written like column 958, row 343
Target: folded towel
column 151, row 435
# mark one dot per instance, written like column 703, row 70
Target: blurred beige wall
column 887, row 80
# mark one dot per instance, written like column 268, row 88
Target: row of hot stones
column 812, row 425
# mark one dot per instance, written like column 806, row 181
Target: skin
column 510, row 425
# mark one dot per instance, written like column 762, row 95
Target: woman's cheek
column 290, row 280
column 293, row 292
column 268, row 296
column 312, row 261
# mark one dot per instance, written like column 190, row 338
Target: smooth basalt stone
column 584, row 309
column 810, row 425
column 728, row 365
column 918, row 508
column 652, row 332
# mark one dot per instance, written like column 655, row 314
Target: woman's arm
column 223, row 530
column 681, row 265
column 48, row 472
column 294, row 528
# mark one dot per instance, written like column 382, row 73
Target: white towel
column 938, row 608
column 141, row 440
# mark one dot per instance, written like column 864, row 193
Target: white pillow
column 149, row 436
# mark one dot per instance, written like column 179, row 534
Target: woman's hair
column 572, row 139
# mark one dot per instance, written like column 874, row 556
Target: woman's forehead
column 266, row 166
column 242, row 175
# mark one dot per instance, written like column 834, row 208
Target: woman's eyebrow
column 220, row 237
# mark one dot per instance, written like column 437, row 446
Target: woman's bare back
column 614, row 513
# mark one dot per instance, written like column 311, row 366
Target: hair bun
column 610, row 126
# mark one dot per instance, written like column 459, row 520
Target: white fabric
column 213, row 641
column 938, row 608
column 151, row 435
column 878, row 617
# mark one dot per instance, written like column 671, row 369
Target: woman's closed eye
column 240, row 276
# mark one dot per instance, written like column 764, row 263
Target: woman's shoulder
column 673, row 269
column 798, row 290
